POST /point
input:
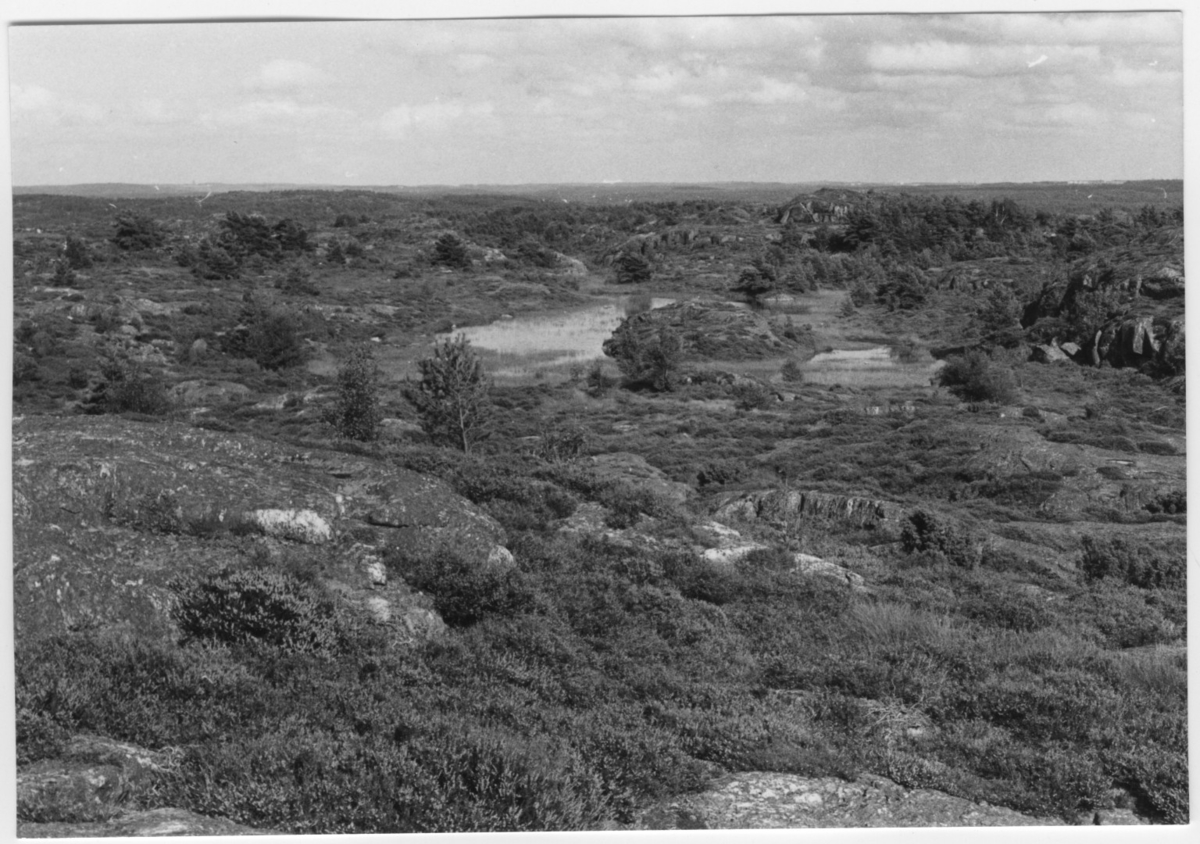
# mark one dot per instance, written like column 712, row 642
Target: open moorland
column 640, row 508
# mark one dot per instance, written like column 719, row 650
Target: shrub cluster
column 1136, row 565
column 464, row 590
column 257, row 605
column 939, row 540
column 975, row 377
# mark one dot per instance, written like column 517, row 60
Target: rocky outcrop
column 152, row 822
column 709, row 331
column 624, row 466
column 778, row 505
column 755, row 800
column 107, row 512
column 1049, row 353
column 1141, row 339
column 195, row 393
column 85, row 791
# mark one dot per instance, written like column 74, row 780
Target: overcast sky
column 857, row 98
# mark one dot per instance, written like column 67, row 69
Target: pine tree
column 451, row 398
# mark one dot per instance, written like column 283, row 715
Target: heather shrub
column 128, row 387
column 939, row 540
column 464, row 590
column 1136, row 565
column 257, row 605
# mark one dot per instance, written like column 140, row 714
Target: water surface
column 518, row 345
column 875, row 367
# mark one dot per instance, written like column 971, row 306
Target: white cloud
column 284, row 74
column 271, row 111
column 435, row 116
column 774, row 91
column 471, row 62
column 659, row 80
column 42, row 103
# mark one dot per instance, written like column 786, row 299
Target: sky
column 788, row 98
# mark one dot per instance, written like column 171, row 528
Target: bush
column 464, row 591
column 654, row 360
column 791, row 372
column 269, row 336
column 974, row 377
column 562, row 444
column 452, row 397
column 239, row 606
column 598, row 381
column 297, row 282
column 752, row 395
column 135, row 232
column 211, row 261
column 355, row 414
column 1135, row 565
column 128, row 387
column 925, row 533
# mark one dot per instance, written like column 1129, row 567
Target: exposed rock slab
column 781, row 505
column 108, row 511
column 152, row 822
column 783, row 801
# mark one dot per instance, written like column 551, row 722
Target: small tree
column 756, row 282
column 974, row 377
column 998, row 319
column 77, row 253
column 451, row 398
column 136, row 232
column 450, row 251
column 356, row 415
column 654, row 360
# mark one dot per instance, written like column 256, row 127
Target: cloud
column 435, row 116
column 44, row 104
column 659, row 80
column 775, row 91
column 471, row 62
column 285, row 74
column 272, row 111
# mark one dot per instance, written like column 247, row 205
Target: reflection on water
column 867, row 368
column 552, row 340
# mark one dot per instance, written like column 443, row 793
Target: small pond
column 875, row 367
column 515, row 347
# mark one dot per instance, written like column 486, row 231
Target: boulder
column 808, row 564
column 207, row 393
column 1048, row 353
column 295, row 525
column 89, row 781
